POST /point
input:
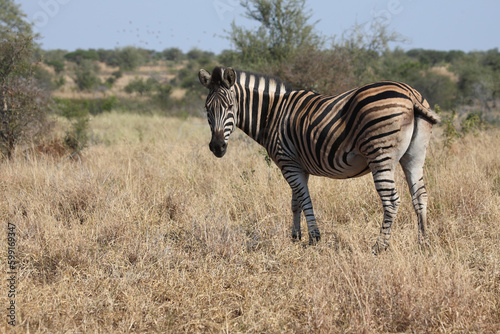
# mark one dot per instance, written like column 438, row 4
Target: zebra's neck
column 258, row 98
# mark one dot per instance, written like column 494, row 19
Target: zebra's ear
column 204, row 77
column 229, row 77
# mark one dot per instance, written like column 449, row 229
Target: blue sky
column 154, row 24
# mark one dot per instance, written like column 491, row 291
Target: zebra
column 367, row 129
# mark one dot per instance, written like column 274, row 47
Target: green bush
column 141, row 86
column 24, row 100
column 472, row 123
column 129, row 58
column 173, row 54
column 74, row 108
column 58, row 65
column 86, row 76
column 80, row 56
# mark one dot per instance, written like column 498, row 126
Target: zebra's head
column 221, row 106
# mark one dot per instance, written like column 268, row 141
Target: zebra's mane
column 271, row 81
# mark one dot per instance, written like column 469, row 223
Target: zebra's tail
column 424, row 109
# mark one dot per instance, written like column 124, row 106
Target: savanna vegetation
column 125, row 222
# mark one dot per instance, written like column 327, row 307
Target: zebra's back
column 340, row 136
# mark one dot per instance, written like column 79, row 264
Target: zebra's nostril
column 218, row 146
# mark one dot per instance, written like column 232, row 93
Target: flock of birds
column 156, row 34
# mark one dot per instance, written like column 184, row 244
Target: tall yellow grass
column 149, row 232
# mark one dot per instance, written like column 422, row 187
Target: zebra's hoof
column 379, row 247
column 423, row 241
column 424, row 244
column 314, row 237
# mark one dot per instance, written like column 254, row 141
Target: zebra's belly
column 342, row 167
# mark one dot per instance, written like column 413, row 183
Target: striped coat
column 368, row 129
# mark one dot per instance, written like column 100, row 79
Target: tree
column 284, row 29
column 13, row 20
column 57, row 65
column 141, row 86
column 130, row 58
column 80, row 56
column 285, row 44
column 86, row 75
column 174, row 54
column 325, row 71
column 22, row 102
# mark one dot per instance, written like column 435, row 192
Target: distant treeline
column 448, row 78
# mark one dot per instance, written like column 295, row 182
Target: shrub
column 74, row 108
column 57, row 65
column 86, row 76
column 141, row 86
column 79, row 56
column 23, row 104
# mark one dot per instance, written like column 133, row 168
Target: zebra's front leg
column 296, row 210
column 301, row 202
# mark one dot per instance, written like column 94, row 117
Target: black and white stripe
column 368, row 129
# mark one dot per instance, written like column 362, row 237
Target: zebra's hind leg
column 419, row 200
column 412, row 163
column 386, row 188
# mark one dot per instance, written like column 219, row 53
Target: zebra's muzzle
column 218, row 145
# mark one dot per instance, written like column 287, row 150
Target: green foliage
column 76, row 138
column 45, row 80
column 78, row 113
column 141, row 86
column 54, row 55
column 74, row 108
column 325, row 71
column 86, row 75
column 472, row 123
column 13, row 20
column 437, row 88
column 428, row 57
column 162, row 96
column 114, row 76
column 479, row 77
column 173, row 54
column 129, row 58
column 187, row 77
column 109, row 57
column 58, row 65
column 82, row 56
column 450, row 132
column 285, row 44
column 22, row 101
column 266, row 156
column 199, row 55
column 103, row 105
column 284, row 29
column 59, row 82
column 158, row 92
column 117, row 74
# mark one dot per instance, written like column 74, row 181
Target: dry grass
column 151, row 233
